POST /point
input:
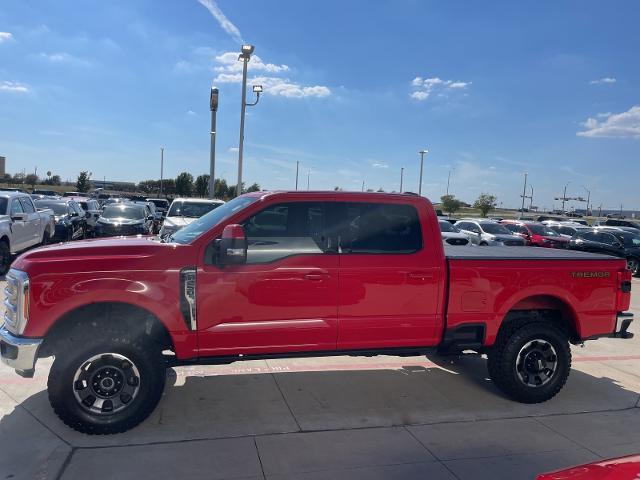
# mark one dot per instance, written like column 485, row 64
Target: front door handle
column 419, row 276
column 316, row 277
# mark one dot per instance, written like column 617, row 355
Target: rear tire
column 106, row 382
column 530, row 362
column 46, row 237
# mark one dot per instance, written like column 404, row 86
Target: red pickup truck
column 287, row 274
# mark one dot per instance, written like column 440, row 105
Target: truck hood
column 178, row 221
column 116, row 253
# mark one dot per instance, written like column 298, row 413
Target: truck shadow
column 335, row 393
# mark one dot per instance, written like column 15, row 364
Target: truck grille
column 457, row 241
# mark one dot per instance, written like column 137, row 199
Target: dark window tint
column 589, row 236
column 607, row 238
column 285, row 229
column 27, row 206
column 379, row 228
column 3, row 205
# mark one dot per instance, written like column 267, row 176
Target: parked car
column 619, row 243
column 451, row 235
column 92, row 212
column 46, row 193
column 536, row 234
column 488, row 232
column 183, row 211
column 286, row 274
column 71, row 220
column 623, row 468
column 162, row 205
column 76, row 194
column 22, row 225
column 616, row 222
column 157, row 216
column 567, row 229
column 124, row 219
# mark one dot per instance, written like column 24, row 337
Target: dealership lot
column 339, row 417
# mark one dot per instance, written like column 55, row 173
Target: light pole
column 448, row 180
column 161, row 168
column 297, row 168
column 588, row 198
column 308, row 178
column 524, row 193
column 531, row 197
column 244, row 57
column 422, row 154
column 362, row 186
column 401, row 177
column 213, row 105
column 564, row 195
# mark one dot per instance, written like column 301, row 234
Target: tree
column 450, row 204
column 184, row 184
column 82, row 183
column 202, row 185
column 485, row 203
column 220, row 188
column 7, row 178
column 31, row 179
column 254, row 187
column 52, row 180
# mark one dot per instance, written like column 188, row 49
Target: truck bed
column 520, row 253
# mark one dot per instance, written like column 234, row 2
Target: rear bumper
column 19, row 353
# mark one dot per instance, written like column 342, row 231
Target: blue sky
column 353, row 91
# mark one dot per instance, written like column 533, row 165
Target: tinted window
column 3, row 205
column 589, row 236
column 607, row 238
column 379, row 228
column 121, row 211
column 495, row 228
column 27, row 206
column 542, row 230
column 447, row 226
column 57, row 207
column 285, row 229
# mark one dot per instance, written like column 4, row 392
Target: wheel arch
column 99, row 316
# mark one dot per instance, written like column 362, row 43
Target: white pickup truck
column 22, row 226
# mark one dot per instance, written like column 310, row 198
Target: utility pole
column 308, row 178
column 524, row 193
column 401, row 177
column 297, row 168
column 363, row 185
column 531, row 197
column 564, row 195
column 448, row 180
column 161, row 168
column 422, row 153
column 588, row 198
column 213, row 105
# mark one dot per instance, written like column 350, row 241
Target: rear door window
column 378, row 228
column 16, row 207
column 27, row 205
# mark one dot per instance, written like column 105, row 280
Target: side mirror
column 151, row 217
column 233, row 245
column 19, row 217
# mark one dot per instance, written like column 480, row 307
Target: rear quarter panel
column 484, row 291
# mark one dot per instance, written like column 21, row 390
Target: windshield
column 191, row 209
column 58, row 208
column 159, row 203
column 211, row 219
column 494, row 228
column 631, row 239
column 542, row 230
column 447, row 226
column 123, row 211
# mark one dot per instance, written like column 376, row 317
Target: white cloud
column 64, row 58
column 13, row 87
column 191, row 112
column 604, row 80
column 379, row 165
column 230, row 71
column 424, row 87
column 616, row 125
column 5, row 37
column 233, row 149
column 222, row 19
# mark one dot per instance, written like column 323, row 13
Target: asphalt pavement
column 339, row 418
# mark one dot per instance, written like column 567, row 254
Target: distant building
column 3, row 166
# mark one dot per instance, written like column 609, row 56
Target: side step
column 465, row 337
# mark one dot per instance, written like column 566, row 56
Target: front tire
column 530, row 363
column 5, row 257
column 107, row 383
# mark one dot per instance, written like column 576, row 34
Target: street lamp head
column 423, row 152
column 247, row 49
column 213, row 103
column 257, row 89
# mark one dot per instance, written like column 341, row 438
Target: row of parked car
column 29, row 220
column 620, row 241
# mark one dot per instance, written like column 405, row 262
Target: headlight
column 16, row 301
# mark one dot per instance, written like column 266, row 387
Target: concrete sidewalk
column 338, row 418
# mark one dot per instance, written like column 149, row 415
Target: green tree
column 254, row 187
column 450, row 204
column 485, row 203
column 202, row 185
column 220, row 188
column 184, row 184
column 7, row 178
column 82, row 183
column 31, row 179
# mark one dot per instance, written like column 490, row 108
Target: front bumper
column 18, row 352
